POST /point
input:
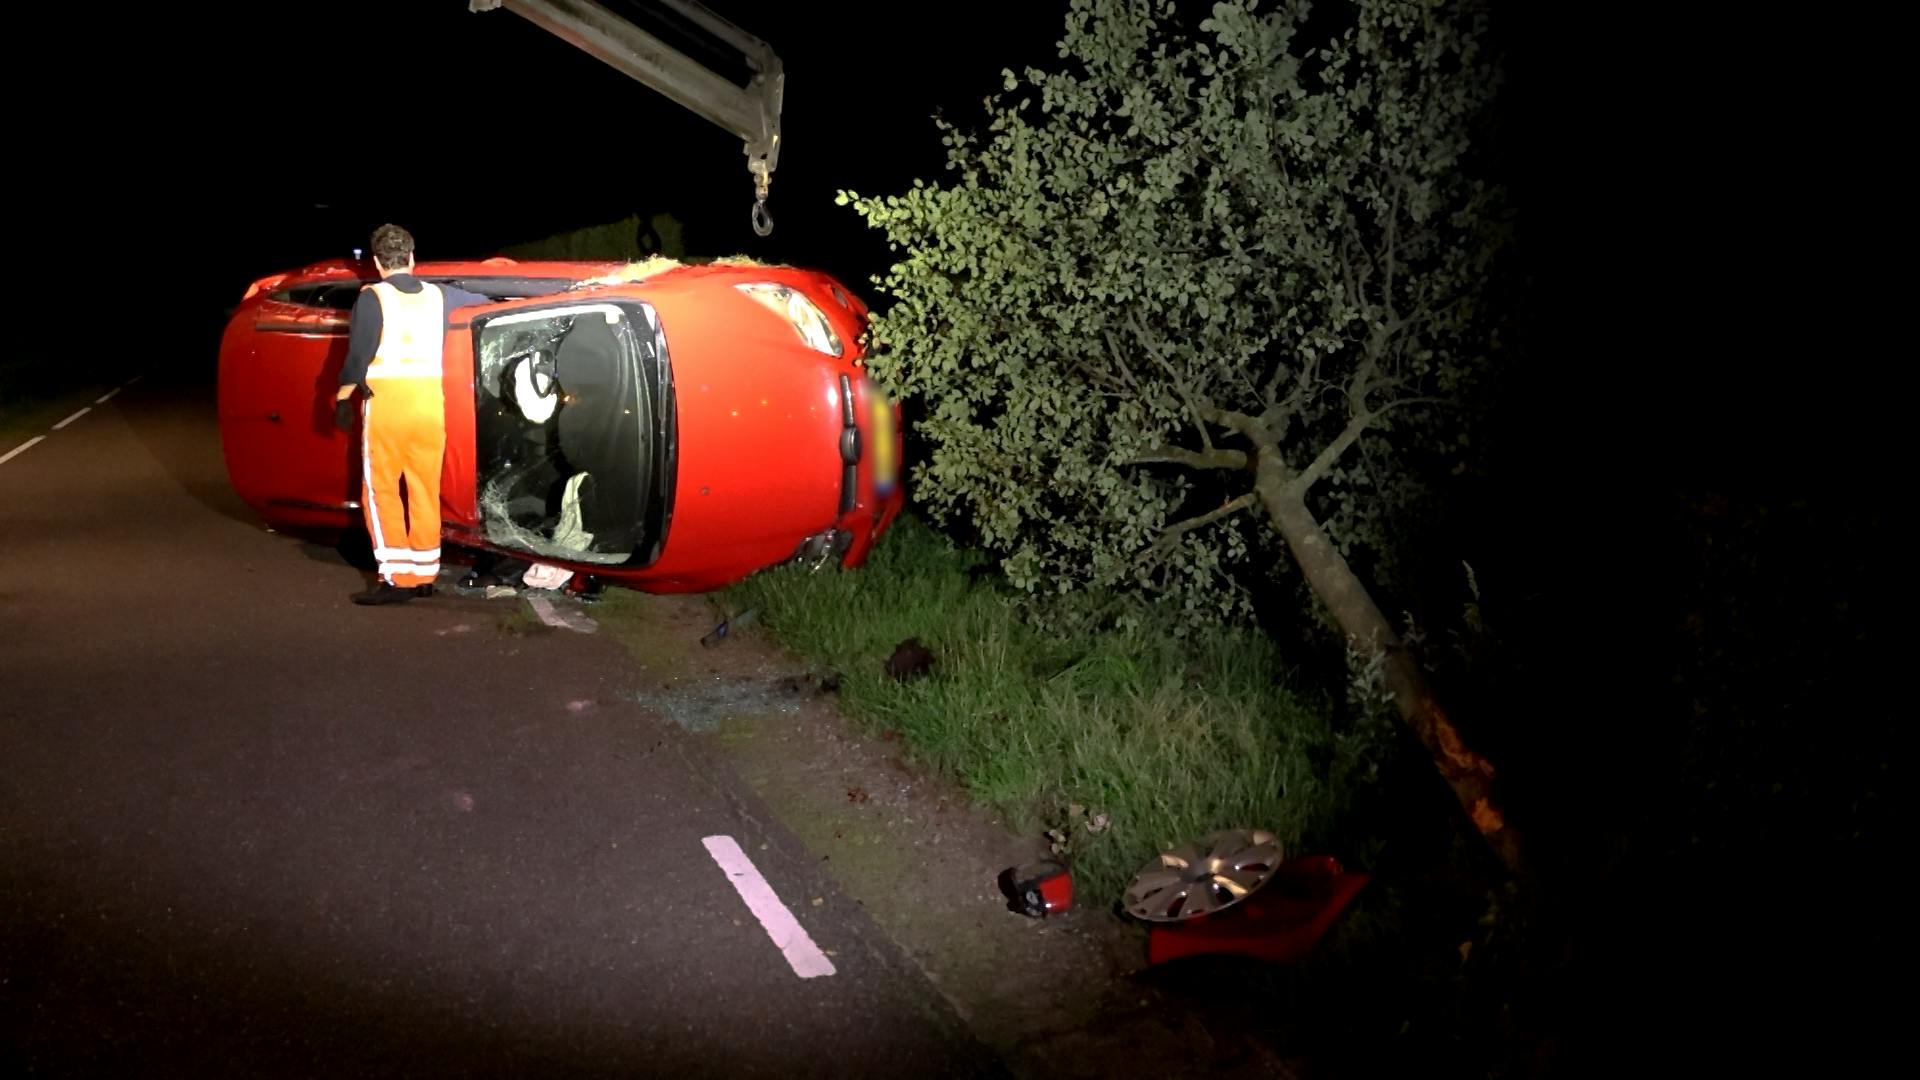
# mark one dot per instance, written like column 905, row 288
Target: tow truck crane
column 751, row 112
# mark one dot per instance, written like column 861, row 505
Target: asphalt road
column 247, row 828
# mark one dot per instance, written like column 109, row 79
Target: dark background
column 306, row 126
column 1701, row 434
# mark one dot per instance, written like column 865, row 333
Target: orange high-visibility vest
column 412, row 328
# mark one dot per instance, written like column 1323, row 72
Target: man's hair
column 393, row 246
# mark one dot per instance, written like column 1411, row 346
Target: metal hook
column 762, row 221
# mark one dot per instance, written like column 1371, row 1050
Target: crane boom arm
column 751, row 112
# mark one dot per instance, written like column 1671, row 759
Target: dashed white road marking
column 101, row 400
column 788, row 935
column 564, row 620
column 21, row 449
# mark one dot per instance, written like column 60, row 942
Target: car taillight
column 806, row 319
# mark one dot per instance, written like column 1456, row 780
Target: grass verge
column 1125, row 742
column 1169, row 740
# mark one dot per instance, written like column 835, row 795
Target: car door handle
column 274, row 416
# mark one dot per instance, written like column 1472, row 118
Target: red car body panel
column 279, row 369
column 758, row 415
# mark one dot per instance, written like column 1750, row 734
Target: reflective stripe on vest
column 412, row 332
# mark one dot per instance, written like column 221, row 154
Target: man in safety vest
column 398, row 328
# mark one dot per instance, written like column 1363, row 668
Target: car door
column 279, row 373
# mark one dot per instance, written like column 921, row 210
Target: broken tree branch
column 1312, row 474
column 1098, row 377
column 1393, row 221
column 1272, row 388
column 1240, row 422
column 1341, row 258
column 1121, row 359
column 1210, row 459
column 1171, row 536
column 1362, row 382
column 1179, row 385
column 1309, row 370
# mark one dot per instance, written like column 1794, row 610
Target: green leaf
column 1190, row 221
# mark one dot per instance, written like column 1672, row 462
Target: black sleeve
column 363, row 337
column 459, row 298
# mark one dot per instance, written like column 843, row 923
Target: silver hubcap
column 1200, row 879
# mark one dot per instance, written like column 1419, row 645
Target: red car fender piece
column 1280, row 923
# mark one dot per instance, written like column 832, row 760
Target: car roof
column 497, row 266
column 620, row 274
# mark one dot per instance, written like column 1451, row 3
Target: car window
column 507, row 288
column 332, row 295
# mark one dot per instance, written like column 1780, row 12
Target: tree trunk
column 1334, row 582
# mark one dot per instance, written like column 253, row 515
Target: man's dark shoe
column 384, row 593
column 423, row 590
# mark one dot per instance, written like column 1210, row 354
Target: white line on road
column 563, row 620
column 72, row 418
column 18, row 450
column 102, row 399
column 788, row 935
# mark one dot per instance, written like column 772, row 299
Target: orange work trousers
column 403, row 433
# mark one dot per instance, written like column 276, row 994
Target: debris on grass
column 640, row 270
column 910, row 660
column 727, row 626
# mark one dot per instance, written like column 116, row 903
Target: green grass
column 1169, row 740
column 1173, row 740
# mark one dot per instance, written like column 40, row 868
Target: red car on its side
column 673, row 434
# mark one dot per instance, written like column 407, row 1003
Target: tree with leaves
column 1196, row 297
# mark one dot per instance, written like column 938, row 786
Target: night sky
column 311, row 124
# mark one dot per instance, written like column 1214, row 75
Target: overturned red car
column 671, row 428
